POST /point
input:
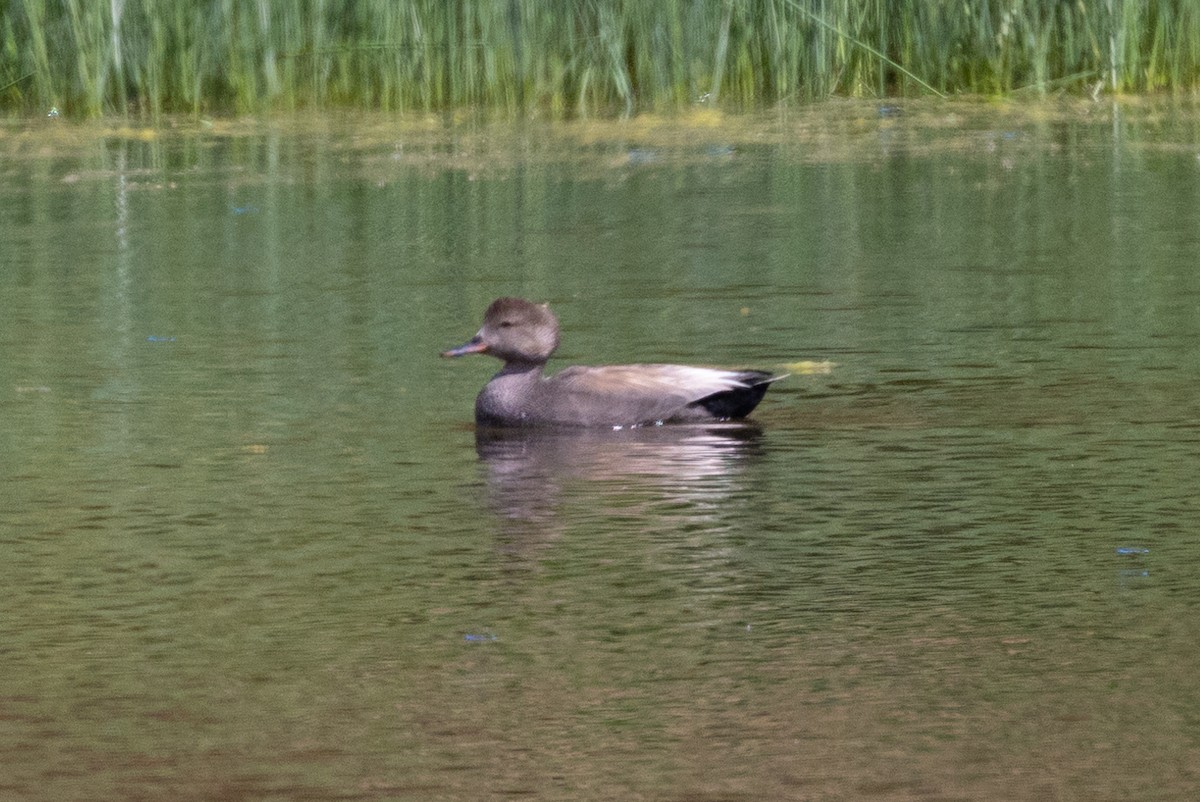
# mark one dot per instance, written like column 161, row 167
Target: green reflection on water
column 253, row 548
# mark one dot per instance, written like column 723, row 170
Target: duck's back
column 628, row 395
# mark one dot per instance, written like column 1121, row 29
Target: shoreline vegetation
column 382, row 145
column 579, row 58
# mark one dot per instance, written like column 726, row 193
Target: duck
column 523, row 335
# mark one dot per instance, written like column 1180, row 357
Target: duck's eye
column 506, row 324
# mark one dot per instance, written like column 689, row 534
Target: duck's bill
column 474, row 346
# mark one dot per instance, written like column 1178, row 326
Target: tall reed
column 91, row 57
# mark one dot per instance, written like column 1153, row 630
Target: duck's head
column 514, row 330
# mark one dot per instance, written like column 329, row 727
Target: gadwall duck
column 523, row 335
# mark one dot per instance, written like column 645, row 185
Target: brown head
column 514, row 330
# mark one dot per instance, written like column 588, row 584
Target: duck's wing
column 622, row 395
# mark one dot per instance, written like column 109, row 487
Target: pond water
column 252, row 547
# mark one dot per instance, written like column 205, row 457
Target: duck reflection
column 538, row 480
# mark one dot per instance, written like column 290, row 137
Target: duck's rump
column 738, row 402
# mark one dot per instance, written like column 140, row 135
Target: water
column 254, row 549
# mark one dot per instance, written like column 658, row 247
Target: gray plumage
column 523, row 335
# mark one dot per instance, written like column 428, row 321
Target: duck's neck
column 530, row 371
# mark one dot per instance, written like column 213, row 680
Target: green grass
column 574, row 57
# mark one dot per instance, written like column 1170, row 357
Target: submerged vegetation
column 575, row 56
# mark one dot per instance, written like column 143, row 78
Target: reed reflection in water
column 246, row 528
